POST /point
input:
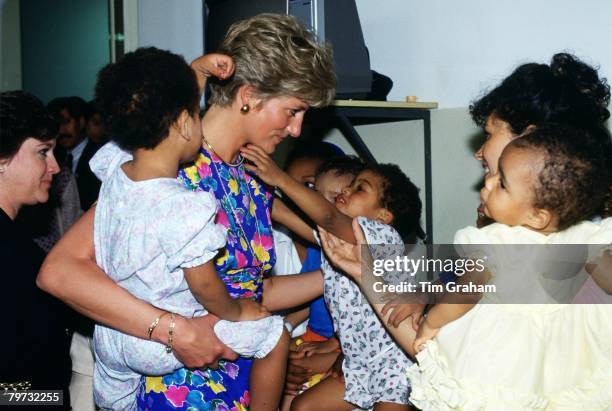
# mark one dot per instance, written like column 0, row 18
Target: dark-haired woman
column 566, row 91
column 34, row 340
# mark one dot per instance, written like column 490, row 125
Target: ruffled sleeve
column 107, row 159
column 187, row 231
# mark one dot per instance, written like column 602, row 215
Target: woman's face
column 28, row 175
column 274, row 119
column 499, row 135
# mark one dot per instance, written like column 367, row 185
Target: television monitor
column 334, row 21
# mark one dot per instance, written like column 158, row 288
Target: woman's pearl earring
column 245, row 109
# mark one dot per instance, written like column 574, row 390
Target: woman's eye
column 293, row 112
column 309, row 185
column 44, row 152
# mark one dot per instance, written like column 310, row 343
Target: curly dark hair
column 23, row 115
column 568, row 91
column 401, row 197
column 141, row 95
column 574, row 178
column 341, row 165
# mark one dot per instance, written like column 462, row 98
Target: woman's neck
column 221, row 129
column 9, row 208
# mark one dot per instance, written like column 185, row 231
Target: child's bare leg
column 391, row 406
column 268, row 377
column 328, row 395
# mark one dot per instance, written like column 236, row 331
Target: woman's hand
column 344, row 255
column 195, row 343
column 262, row 165
column 213, row 64
column 425, row 333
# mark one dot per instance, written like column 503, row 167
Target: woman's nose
column 478, row 154
column 52, row 166
column 295, row 126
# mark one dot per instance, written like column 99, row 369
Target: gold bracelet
column 155, row 323
column 171, row 333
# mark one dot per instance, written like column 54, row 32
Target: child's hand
column 251, row 310
column 262, row 165
column 425, row 333
column 213, row 64
column 400, row 310
column 323, row 347
column 336, row 368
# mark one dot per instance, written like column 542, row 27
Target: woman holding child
column 280, row 71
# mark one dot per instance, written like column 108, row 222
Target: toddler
column 388, row 207
column 318, row 344
column 157, row 239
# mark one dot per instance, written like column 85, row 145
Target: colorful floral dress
column 244, row 208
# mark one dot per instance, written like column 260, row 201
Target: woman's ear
column 385, row 216
column 4, row 164
column 247, row 98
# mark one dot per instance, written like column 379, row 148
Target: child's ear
column 183, row 125
column 540, row 219
column 385, row 216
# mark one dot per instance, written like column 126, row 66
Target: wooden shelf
column 384, row 104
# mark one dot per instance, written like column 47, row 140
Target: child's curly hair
column 143, row 94
column 341, row 165
column 574, row 180
column 401, row 197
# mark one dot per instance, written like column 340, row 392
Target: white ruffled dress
column 521, row 357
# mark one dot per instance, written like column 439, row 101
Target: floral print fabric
column 244, row 209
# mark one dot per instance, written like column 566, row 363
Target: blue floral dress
column 244, row 208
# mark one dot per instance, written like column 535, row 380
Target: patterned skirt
column 223, row 389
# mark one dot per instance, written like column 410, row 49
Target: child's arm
column 213, row 64
column 288, row 291
column 298, row 317
column 285, row 216
column 321, row 211
column 210, row 291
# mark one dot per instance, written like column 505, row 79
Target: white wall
column 450, row 50
column 174, row 25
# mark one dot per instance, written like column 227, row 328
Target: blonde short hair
column 278, row 56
